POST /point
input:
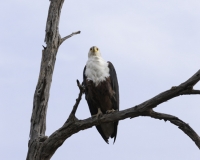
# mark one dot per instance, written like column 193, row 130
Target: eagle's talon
column 110, row 111
column 99, row 114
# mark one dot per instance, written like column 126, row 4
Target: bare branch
column 191, row 81
column 64, row 38
column 181, row 125
column 171, row 93
column 143, row 109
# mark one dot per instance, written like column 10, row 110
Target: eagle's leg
column 110, row 111
column 99, row 113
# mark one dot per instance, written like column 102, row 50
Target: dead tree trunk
column 41, row 147
column 53, row 41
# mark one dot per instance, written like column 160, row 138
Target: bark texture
column 41, row 147
column 40, row 103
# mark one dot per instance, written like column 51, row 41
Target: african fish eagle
column 101, row 91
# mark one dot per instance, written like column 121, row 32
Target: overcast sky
column 153, row 45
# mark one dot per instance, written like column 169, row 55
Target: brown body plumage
column 101, row 91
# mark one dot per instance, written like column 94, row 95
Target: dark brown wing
column 115, row 99
column 93, row 110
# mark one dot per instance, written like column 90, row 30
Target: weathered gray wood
column 42, row 147
column 41, row 96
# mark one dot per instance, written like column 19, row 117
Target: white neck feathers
column 97, row 69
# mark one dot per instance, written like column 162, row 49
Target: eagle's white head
column 96, row 67
column 94, row 51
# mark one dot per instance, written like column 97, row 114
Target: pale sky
column 153, row 45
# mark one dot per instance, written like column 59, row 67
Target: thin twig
column 81, row 88
column 64, row 38
column 188, row 92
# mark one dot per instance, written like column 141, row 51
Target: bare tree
column 42, row 147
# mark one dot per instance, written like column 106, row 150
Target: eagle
column 101, row 91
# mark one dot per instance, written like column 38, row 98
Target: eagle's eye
column 97, row 49
column 90, row 48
